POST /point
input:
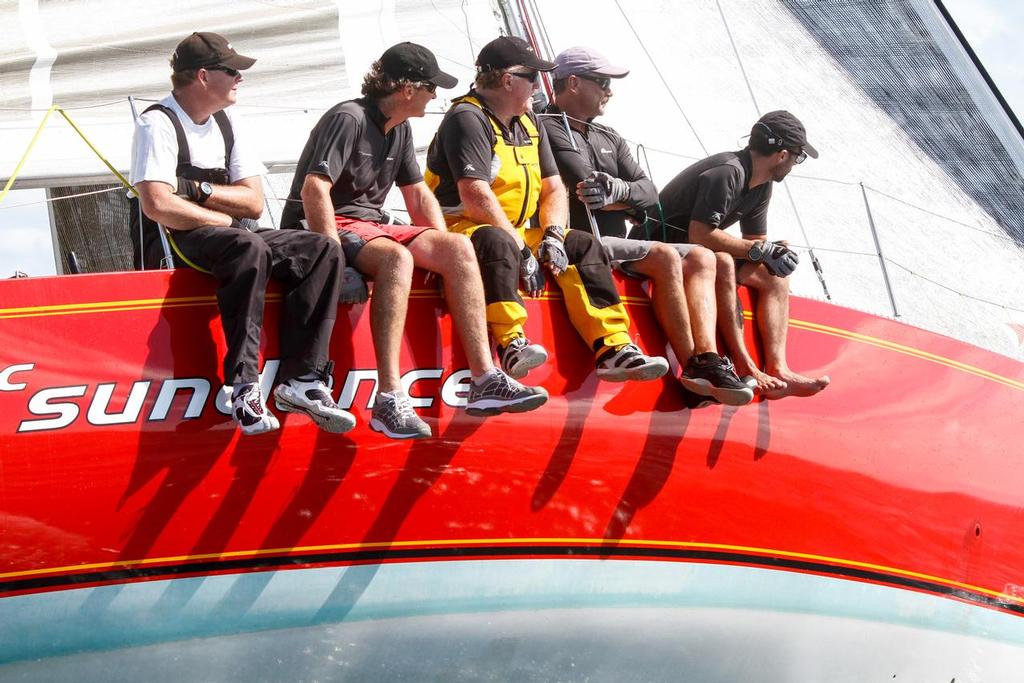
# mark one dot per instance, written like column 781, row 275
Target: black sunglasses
column 799, row 154
column 603, row 82
column 429, row 87
column 234, row 73
column 532, row 76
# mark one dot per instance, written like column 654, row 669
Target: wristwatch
column 205, row 191
column 757, row 251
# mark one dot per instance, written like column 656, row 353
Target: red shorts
column 368, row 230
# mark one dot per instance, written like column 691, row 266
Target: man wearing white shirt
column 197, row 177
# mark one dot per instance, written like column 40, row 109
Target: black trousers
column 310, row 267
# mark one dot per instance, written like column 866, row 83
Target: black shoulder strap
column 184, row 158
column 225, row 132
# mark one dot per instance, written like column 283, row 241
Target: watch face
column 206, row 188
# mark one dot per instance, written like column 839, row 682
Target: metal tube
column 572, row 141
column 878, row 250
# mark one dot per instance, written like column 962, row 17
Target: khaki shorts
column 622, row 251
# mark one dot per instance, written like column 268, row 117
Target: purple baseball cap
column 584, row 60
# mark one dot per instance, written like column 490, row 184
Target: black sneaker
column 627, row 363
column 499, row 393
column 520, row 356
column 696, row 401
column 709, row 374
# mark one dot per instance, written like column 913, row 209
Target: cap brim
column 611, row 72
column 238, row 62
column 811, row 152
column 539, row 64
column 444, row 80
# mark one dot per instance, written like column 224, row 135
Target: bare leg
column 699, row 283
column 452, row 257
column 732, row 328
column 662, row 266
column 389, row 265
column 773, row 323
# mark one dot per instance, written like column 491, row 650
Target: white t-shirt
column 155, row 147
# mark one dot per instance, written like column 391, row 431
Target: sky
column 992, row 27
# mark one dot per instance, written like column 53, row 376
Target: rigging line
column 57, row 199
column 938, row 215
column 664, row 82
column 84, row 106
column 954, row 291
column 469, row 33
column 437, row 11
column 789, row 193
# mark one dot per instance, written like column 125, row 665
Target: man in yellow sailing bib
column 491, row 167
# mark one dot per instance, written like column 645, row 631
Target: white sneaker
column 520, row 356
column 627, row 363
column 250, row 410
column 394, row 417
column 313, row 398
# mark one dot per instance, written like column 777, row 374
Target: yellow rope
column 35, row 139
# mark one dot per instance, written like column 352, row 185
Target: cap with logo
column 415, row 63
column 584, row 60
column 203, row 49
column 507, row 51
column 779, row 130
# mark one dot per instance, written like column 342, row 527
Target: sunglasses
column 234, row 73
column 532, row 76
column 603, row 82
column 799, row 154
column 429, row 87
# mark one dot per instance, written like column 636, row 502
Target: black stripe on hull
column 127, row 575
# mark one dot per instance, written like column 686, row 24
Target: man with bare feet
column 730, row 187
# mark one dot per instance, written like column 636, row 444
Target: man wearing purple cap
column 730, row 187
column 197, row 177
column 491, row 167
column 612, row 188
column 356, row 152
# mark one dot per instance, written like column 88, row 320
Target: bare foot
column 761, row 382
column 798, row 385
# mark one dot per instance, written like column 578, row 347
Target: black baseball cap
column 781, row 129
column 203, row 49
column 415, row 63
column 507, row 51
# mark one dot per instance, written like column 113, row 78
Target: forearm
column 720, row 240
column 481, row 206
column 239, row 201
column 423, row 207
column 319, row 210
column 554, row 205
column 176, row 213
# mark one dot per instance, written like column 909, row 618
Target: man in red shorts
column 355, row 153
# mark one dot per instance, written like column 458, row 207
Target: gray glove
column 599, row 189
column 530, row 272
column 779, row 259
column 353, row 287
column 552, row 249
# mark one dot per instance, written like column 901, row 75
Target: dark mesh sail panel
column 892, row 55
column 94, row 227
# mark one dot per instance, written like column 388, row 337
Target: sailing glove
column 188, row 189
column 599, row 189
column 552, row 249
column 779, row 259
column 530, row 272
column 353, row 287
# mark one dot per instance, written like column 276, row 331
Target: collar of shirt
column 373, row 112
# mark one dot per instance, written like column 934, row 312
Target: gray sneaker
column 313, row 398
column 520, row 356
column 394, row 417
column 499, row 393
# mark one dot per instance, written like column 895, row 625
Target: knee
column 493, row 244
column 583, row 250
column 725, row 267
column 663, row 262
column 252, row 248
column 701, row 260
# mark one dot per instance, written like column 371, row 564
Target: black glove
column 599, row 189
column 188, row 189
column 353, row 287
column 530, row 272
column 779, row 259
column 552, row 249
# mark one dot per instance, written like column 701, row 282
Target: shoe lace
column 403, row 405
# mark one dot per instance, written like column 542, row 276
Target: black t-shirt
column 714, row 191
column 348, row 145
column 600, row 149
column 464, row 148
